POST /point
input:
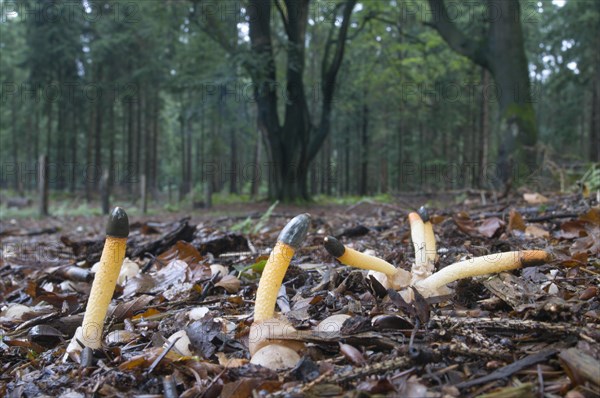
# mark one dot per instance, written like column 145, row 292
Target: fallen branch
column 510, row 369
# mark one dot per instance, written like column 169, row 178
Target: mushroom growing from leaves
column 90, row 332
column 388, row 275
column 269, row 344
column 490, row 264
column 430, row 245
column 423, row 265
column 422, row 277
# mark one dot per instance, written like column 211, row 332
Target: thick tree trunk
column 503, row 54
column 594, row 151
column 293, row 145
column 508, row 64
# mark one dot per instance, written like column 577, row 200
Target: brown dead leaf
column 230, row 362
column 146, row 359
column 379, row 386
column 515, row 221
column 243, row 388
column 130, row 308
column 571, row 230
column 464, row 223
column 490, row 226
column 536, row 232
column 535, row 198
column 592, row 216
column 352, row 354
column 230, row 283
column 183, row 251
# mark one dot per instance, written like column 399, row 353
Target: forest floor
column 528, row 333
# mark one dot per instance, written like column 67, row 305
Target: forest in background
column 291, row 99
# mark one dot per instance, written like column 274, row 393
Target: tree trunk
column 89, row 169
column 293, row 145
column 98, row 142
column 484, row 128
column 15, row 147
column 128, row 163
column 364, row 161
column 594, row 151
column 43, row 185
column 74, row 136
column 503, row 54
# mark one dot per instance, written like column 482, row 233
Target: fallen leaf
column 535, row 198
column 592, row 216
column 352, row 354
column 464, row 223
column 230, row 362
column 571, row 230
column 490, row 226
column 130, row 308
column 183, row 251
column 515, row 221
column 230, row 283
column 536, row 232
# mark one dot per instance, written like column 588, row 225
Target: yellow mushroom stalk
column 271, row 341
column 289, row 240
column 483, row 265
column 393, row 277
column 103, row 287
column 421, row 268
column 430, row 245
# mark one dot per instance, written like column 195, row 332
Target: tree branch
column 329, row 74
column 284, row 17
column 455, row 38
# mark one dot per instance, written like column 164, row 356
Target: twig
column 162, row 355
column 508, row 370
column 517, row 324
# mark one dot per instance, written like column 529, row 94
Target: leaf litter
column 180, row 325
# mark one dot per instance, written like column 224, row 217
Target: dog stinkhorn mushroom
column 490, row 264
column 430, row 246
column 269, row 344
column 422, row 277
column 422, row 266
column 90, row 332
column 388, row 275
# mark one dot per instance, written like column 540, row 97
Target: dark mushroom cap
column 423, row 213
column 294, row 233
column 334, row 246
column 118, row 223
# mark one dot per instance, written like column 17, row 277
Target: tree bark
column 484, row 128
column 502, row 53
column 43, row 185
column 594, row 151
column 364, row 161
column 295, row 143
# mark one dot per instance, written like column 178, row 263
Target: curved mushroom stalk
column 423, row 265
column 430, row 244
column 267, row 330
column 105, row 280
column 435, row 284
column 388, row 275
